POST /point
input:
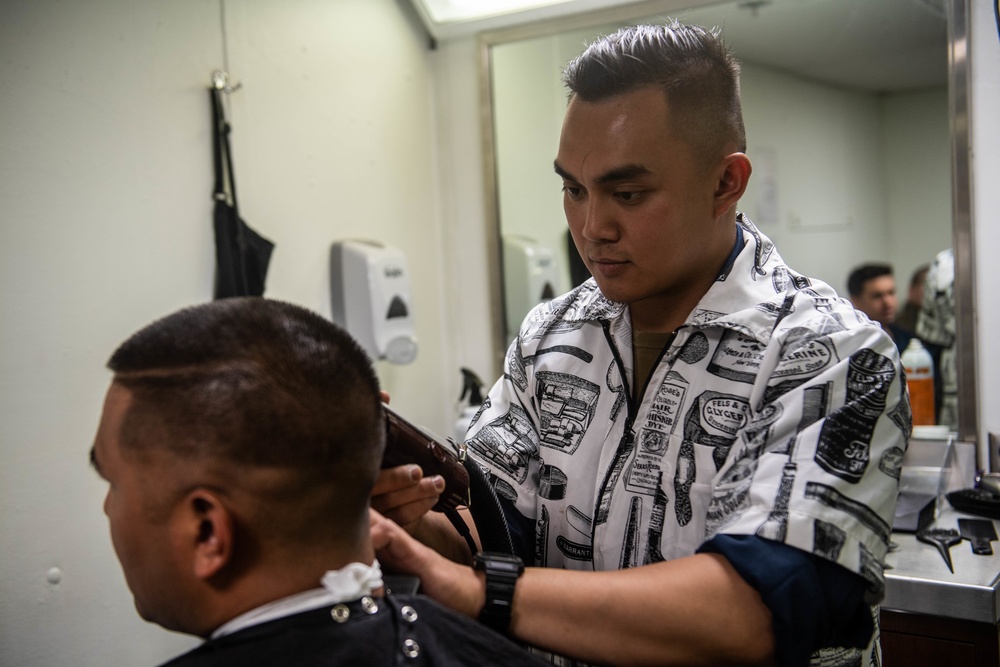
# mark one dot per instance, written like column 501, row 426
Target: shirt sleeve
column 817, row 465
column 814, row 603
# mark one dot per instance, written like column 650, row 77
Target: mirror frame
column 962, row 227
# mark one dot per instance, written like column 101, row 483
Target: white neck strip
column 349, row 583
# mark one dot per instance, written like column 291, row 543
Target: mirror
column 854, row 113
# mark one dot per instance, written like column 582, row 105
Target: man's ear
column 733, row 175
column 207, row 532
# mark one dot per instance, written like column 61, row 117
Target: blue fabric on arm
column 814, row 603
column 522, row 532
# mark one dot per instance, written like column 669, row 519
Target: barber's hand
column 456, row 586
column 404, row 495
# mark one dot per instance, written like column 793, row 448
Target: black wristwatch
column 502, row 571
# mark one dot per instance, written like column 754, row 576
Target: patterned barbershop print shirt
column 776, row 410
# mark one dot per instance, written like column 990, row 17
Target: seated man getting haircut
column 241, row 440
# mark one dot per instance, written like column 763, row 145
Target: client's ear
column 733, row 174
column 207, row 532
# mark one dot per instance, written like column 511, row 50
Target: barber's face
column 639, row 201
column 878, row 299
column 139, row 534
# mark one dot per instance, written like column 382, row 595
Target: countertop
column 918, row 580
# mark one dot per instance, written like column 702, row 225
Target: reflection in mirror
column 846, row 105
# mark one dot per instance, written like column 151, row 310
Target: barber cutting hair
column 697, row 449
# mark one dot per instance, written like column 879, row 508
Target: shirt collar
column 348, row 583
column 733, row 254
column 746, row 296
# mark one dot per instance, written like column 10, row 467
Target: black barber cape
column 392, row 630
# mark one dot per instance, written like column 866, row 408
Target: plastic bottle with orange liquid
column 919, row 382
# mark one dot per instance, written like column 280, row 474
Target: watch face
column 499, row 562
column 508, row 566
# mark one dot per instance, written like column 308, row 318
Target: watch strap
column 502, row 572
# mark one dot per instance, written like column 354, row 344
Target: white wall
column 985, row 138
column 468, row 329
column 917, row 173
column 816, row 148
column 530, row 104
column 105, row 224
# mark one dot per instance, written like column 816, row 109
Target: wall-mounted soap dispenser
column 370, row 290
column 531, row 276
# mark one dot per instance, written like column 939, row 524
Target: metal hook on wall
column 220, row 81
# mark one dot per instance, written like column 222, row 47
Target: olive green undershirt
column 647, row 345
column 646, row 348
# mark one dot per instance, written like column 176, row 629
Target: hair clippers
column 407, row 443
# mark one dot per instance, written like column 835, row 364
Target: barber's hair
column 859, row 276
column 693, row 66
column 249, row 383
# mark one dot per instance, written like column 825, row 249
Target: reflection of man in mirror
column 872, row 288
column 907, row 318
column 729, row 542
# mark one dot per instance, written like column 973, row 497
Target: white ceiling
column 875, row 45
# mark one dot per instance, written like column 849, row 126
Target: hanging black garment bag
column 241, row 254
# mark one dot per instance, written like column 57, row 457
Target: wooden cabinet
column 919, row 640
column 935, row 616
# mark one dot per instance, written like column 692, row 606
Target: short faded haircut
column 247, row 383
column 693, row 66
column 862, row 274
